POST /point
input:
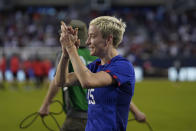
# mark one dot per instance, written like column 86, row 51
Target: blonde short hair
column 109, row 25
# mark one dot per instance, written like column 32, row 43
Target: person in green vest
column 74, row 98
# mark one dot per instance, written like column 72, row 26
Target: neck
column 111, row 53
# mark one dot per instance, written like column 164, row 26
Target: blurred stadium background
column 160, row 40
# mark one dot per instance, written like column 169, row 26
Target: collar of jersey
column 98, row 62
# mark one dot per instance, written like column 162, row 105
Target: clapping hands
column 68, row 37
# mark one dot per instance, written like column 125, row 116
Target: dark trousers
column 74, row 124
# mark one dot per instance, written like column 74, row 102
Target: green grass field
column 169, row 106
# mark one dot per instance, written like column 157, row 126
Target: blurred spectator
column 3, row 65
column 38, row 69
column 27, row 68
column 177, row 65
column 2, row 69
column 47, row 65
column 14, row 67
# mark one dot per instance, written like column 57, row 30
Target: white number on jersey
column 91, row 99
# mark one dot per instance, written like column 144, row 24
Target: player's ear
column 109, row 40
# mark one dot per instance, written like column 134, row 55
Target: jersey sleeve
column 122, row 72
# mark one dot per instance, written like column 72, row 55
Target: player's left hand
column 140, row 116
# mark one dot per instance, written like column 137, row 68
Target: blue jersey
column 108, row 106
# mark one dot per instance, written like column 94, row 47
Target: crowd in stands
column 152, row 32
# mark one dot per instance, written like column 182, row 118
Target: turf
column 168, row 106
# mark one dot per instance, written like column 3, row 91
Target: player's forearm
column 133, row 108
column 81, row 71
column 62, row 71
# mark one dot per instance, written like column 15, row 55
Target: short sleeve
column 122, row 72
